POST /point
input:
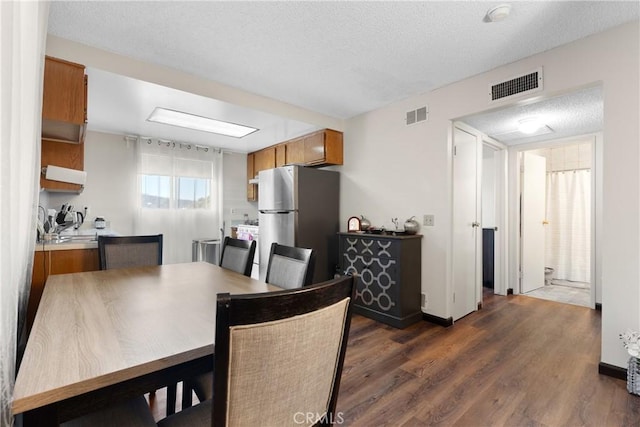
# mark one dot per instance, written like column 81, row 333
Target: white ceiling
column 336, row 58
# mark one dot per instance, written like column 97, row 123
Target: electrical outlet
column 428, row 220
column 234, row 211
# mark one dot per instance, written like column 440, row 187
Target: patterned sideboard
column 389, row 276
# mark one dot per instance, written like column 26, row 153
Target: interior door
column 466, row 227
column 532, row 217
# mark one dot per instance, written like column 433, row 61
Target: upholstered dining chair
column 290, row 267
column 255, row 362
column 237, row 255
column 129, row 251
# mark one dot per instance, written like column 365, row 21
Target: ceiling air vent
column 418, row 115
column 520, row 85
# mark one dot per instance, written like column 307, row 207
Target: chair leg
column 187, row 395
column 171, row 399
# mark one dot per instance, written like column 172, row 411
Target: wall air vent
column 520, row 85
column 418, row 115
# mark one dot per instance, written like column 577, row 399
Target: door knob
column 475, row 224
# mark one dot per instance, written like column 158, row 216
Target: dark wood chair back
column 290, row 267
column 237, row 255
column 251, row 332
column 129, row 251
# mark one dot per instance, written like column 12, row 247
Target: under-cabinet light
column 205, row 124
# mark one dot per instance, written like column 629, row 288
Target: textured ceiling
column 337, row 58
column 576, row 113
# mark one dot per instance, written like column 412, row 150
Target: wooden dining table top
column 99, row 328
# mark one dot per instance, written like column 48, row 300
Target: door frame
column 502, row 196
column 596, row 208
column 501, row 242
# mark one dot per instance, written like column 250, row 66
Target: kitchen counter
column 75, row 239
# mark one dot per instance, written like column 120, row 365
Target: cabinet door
column 295, row 152
column 314, row 148
column 323, row 148
column 252, row 191
column 281, row 155
column 63, row 91
column 265, row 159
column 65, row 155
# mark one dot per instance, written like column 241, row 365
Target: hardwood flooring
column 519, row 361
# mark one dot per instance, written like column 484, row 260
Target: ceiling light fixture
column 498, row 13
column 205, row 124
column 530, row 125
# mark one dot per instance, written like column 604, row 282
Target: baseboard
column 438, row 320
column 612, row 371
column 509, row 291
column 599, row 306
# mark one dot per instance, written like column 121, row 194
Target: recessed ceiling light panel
column 530, row 125
column 205, row 124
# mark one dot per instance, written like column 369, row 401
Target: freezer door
column 276, row 189
column 274, row 227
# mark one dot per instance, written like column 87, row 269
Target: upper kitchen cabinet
column 252, row 189
column 265, row 159
column 64, row 103
column 281, row 155
column 294, row 152
column 323, row 148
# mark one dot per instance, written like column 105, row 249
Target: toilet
column 548, row 275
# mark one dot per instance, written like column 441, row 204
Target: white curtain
column 179, row 195
column 23, row 27
column 569, row 231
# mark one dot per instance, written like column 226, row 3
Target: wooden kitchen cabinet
column 388, row 268
column 64, row 155
column 252, row 189
column 295, row 152
column 64, row 101
column 57, row 262
column 281, row 155
column 265, row 159
column 323, row 148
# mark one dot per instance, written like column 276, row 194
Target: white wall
column 110, row 190
column 396, row 170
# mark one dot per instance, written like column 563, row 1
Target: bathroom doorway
column 565, row 234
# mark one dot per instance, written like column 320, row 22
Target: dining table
column 104, row 336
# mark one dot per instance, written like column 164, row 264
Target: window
column 190, row 193
column 155, row 191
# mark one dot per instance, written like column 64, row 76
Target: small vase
column 633, row 376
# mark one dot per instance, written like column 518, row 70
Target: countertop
column 83, row 238
column 386, row 235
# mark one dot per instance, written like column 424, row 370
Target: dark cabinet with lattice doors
column 388, row 288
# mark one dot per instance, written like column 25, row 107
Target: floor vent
column 520, row 85
column 418, row 115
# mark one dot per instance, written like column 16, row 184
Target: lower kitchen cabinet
column 388, row 270
column 57, row 262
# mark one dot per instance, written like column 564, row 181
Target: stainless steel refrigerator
column 299, row 206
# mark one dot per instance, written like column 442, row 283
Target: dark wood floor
column 519, row 361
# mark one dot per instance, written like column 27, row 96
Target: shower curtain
column 568, row 237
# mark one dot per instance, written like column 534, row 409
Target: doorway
column 561, row 245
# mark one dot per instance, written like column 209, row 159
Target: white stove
column 251, row 232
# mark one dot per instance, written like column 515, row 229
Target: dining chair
column 237, row 255
column 129, row 251
column 258, row 379
column 290, row 267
